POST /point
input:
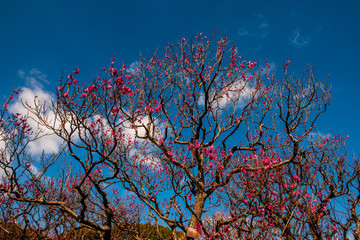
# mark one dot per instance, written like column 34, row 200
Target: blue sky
column 56, row 36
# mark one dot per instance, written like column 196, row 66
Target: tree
column 191, row 134
column 41, row 206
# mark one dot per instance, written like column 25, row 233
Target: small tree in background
column 211, row 144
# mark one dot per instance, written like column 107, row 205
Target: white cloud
column 133, row 138
column 51, row 143
column 2, row 175
column 319, row 136
column 47, row 142
column 33, row 169
column 238, row 94
column 299, row 40
column 133, row 66
column 130, row 132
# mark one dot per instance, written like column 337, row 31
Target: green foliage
column 13, row 231
column 149, row 231
column 143, row 231
column 81, row 234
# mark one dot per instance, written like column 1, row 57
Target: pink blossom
column 119, row 80
column 114, row 71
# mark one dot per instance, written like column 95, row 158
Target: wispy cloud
column 272, row 66
column 263, row 29
column 264, row 25
column 34, row 78
column 260, row 31
column 258, row 28
column 243, row 32
column 316, row 135
column 299, row 40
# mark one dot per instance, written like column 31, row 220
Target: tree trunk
column 357, row 230
column 107, row 235
column 198, row 210
column 174, row 233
